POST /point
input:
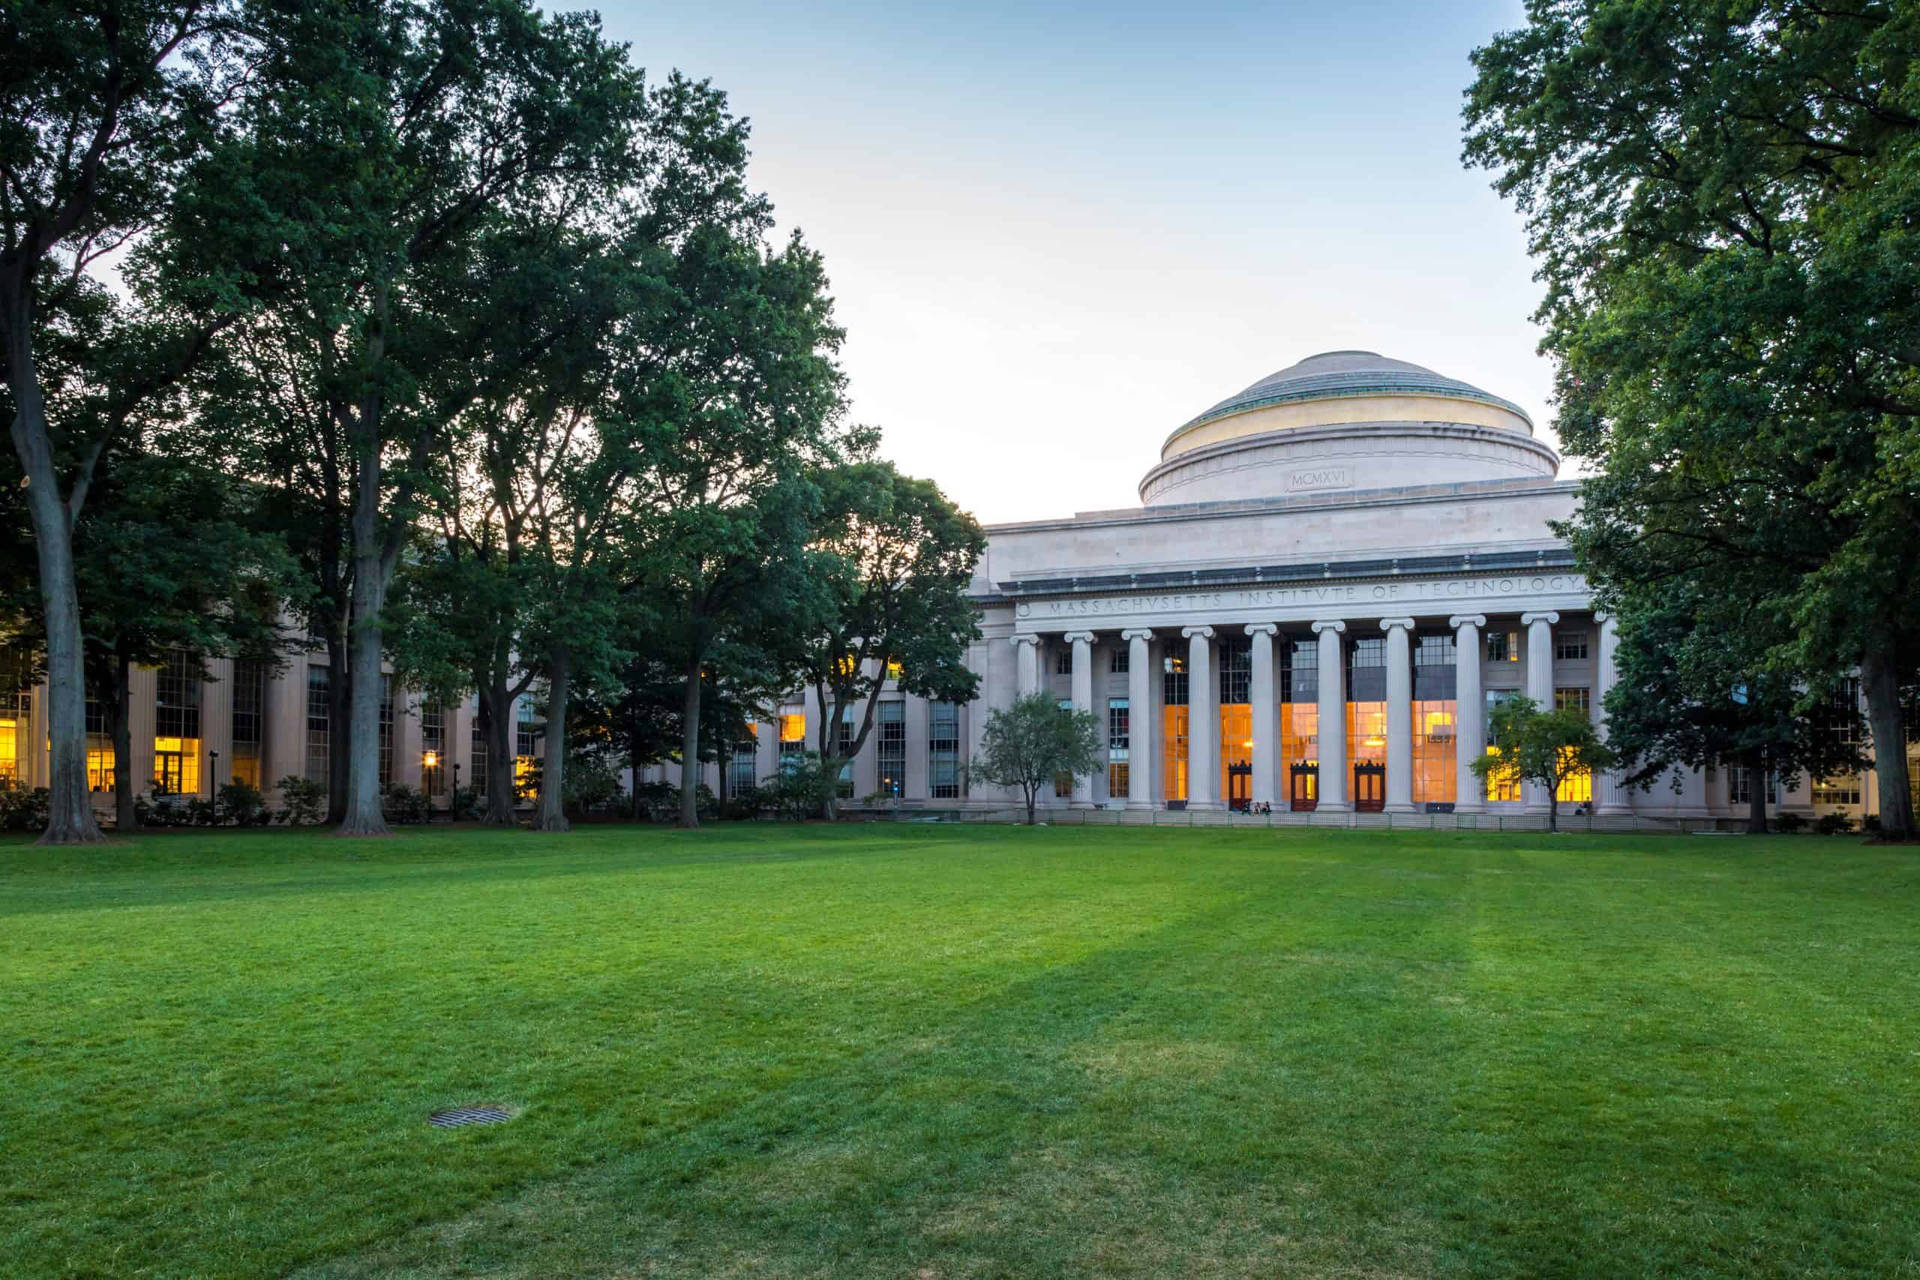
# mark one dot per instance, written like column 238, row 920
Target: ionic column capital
column 1205, row 633
column 1137, row 633
column 1075, row 637
column 1460, row 620
column 1404, row 624
column 1335, row 626
column 1549, row 617
column 1026, row 638
column 1263, row 629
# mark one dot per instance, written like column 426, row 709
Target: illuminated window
column 1502, row 784
column 1837, row 791
column 1572, row 700
column 16, row 706
column 1300, row 721
column 433, row 748
column 1577, row 787
column 1173, row 751
column 894, row 669
column 319, row 713
column 943, row 751
column 1173, row 681
column 249, row 721
column 793, row 739
column 176, row 727
column 1435, row 762
column 99, row 747
column 526, row 733
column 1503, row 646
column 890, row 751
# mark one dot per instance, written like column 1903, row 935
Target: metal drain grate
column 459, row 1117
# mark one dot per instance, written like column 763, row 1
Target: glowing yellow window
column 1576, row 788
column 1502, row 784
column 176, row 766
column 9, row 748
column 893, row 669
column 793, row 727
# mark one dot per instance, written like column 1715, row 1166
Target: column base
column 1139, row 806
column 1400, row 808
column 1333, row 806
column 1613, row 811
column 1205, row 806
column 1475, row 807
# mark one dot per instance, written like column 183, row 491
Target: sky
column 1055, row 232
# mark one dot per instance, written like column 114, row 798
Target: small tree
column 1547, row 747
column 1034, row 741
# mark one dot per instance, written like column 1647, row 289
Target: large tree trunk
column 1553, row 808
column 364, row 816
column 339, row 711
column 690, row 745
column 553, row 776
column 70, row 817
column 1880, row 677
column 125, row 816
column 1756, row 762
column 497, row 700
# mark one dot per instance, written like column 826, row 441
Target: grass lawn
column 933, row 1052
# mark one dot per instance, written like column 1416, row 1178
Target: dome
column 1334, row 374
column 1346, row 420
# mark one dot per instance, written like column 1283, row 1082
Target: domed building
column 1333, row 576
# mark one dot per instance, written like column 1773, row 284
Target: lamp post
column 213, row 771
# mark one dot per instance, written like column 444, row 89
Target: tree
column 105, row 109
column 1695, row 689
column 1718, row 198
column 1545, row 747
column 895, row 559
column 417, row 125
column 1034, row 741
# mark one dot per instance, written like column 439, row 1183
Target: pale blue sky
column 1056, row 232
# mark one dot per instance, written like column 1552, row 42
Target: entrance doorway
column 1240, row 786
column 1303, row 786
column 1369, row 786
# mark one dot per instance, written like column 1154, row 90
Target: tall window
column 16, row 706
column 386, row 732
column 1503, row 646
column 1173, row 733
column 477, row 752
column 1300, row 719
column 742, row 772
column 1435, row 675
column 433, row 748
column 793, row 739
column 1063, row 781
column 99, row 747
column 1367, row 716
column 843, row 735
column 1122, row 658
column 1499, row 788
column 526, row 733
column 891, row 752
column 1572, row 700
column 1570, row 646
column 1063, row 660
column 1236, row 671
column 176, row 726
column 319, row 709
column 1119, row 747
column 943, row 751
column 1740, row 786
column 249, row 720
column 1841, row 722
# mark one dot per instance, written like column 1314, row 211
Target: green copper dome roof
column 1340, row 374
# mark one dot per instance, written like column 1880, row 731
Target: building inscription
column 1319, row 478
column 1437, row 590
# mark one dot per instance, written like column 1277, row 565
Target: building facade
column 1332, row 577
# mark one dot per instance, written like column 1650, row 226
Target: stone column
column 1143, row 725
column 1399, row 714
column 1609, row 793
column 1539, row 686
column 1026, row 656
column 1469, row 713
column 1082, row 642
column 1333, row 718
column 1266, row 714
column 1203, row 720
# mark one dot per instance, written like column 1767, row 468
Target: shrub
column 1833, row 824
column 242, row 805
column 403, row 804
column 1871, row 823
column 305, row 799
column 593, row 782
column 801, row 789
column 1789, row 823
column 465, row 804
column 23, row 808
column 660, row 802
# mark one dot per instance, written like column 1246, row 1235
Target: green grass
column 939, row 1052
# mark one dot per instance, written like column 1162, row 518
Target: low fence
column 1060, row 817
